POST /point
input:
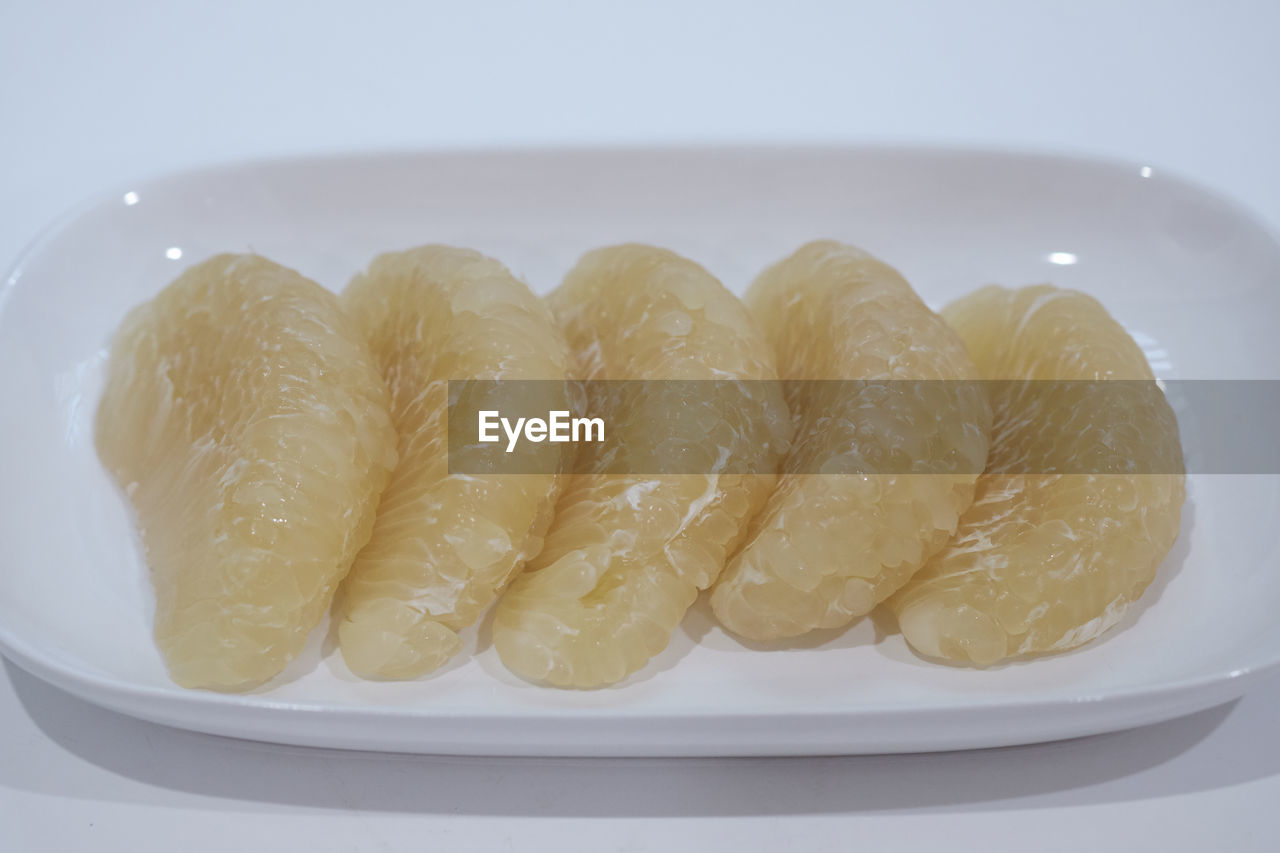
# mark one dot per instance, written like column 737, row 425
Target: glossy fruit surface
column 837, row 537
column 628, row 552
column 1052, row 551
column 444, row 543
column 247, row 423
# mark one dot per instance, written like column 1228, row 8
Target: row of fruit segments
column 284, row 451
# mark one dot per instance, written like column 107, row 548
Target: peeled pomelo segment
column 245, row 420
column 829, row 546
column 443, row 544
column 627, row 552
column 1044, row 562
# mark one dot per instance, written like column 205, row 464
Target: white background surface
column 95, row 95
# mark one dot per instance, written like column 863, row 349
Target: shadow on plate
column 1166, row 759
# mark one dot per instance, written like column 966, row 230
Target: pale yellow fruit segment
column 829, row 546
column 444, row 544
column 1043, row 563
column 628, row 552
column 245, row 420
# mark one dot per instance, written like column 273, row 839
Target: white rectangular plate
column 1192, row 276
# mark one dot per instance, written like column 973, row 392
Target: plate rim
column 1147, row 704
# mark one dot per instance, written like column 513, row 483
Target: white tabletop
column 95, row 95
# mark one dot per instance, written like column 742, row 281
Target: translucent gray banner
column 860, row 427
